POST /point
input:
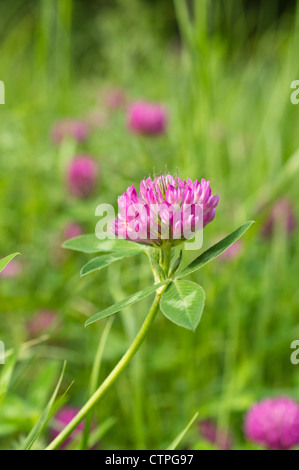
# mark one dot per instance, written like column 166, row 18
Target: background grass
column 224, row 72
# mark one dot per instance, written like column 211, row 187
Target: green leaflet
column 183, row 303
column 215, row 250
column 91, row 244
column 102, row 261
column 133, row 299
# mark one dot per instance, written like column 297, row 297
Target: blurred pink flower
column 41, row 323
column 209, row 431
column 62, row 419
column 147, row 118
column 72, row 230
column 282, row 216
column 82, row 176
column 166, row 209
column 97, row 119
column 12, row 269
column 76, row 128
column 232, row 252
column 274, row 423
column 115, row 98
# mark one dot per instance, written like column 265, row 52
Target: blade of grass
column 180, row 437
column 25, row 346
column 6, row 375
column 45, row 416
column 5, row 261
column 94, row 379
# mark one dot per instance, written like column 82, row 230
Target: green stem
column 166, row 260
column 122, row 364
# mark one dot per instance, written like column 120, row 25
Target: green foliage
column 91, row 244
column 183, row 303
column 101, row 262
column 44, row 417
column 215, row 250
column 132, row 299
column 6, row 375
column 174, row 445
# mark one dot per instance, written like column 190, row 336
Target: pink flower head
column 12, row 269
column 282, row 216
column 115, row 98
column 274, row 423
column 78, row 129
column 211, row 433
column 72, row 230
column 147, row 118
column 41, row 323
column 62, row 419
column 82, row 176
column 166, row 210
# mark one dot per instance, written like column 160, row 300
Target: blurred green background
column 224, row 70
